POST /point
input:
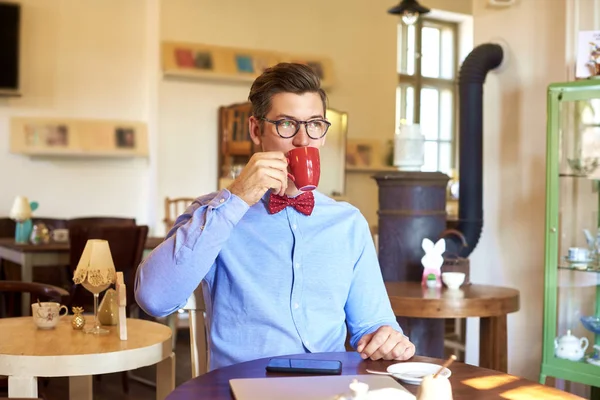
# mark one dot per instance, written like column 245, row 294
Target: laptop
column 309, row 387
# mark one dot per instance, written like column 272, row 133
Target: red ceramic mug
column 304, row 167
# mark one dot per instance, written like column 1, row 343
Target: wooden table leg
column 81, row 387
column 493, row 343
column 22, row 386
column 26, row 276
column 165, row 377
column 427, row 334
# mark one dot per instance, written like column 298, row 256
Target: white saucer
column 414, row 372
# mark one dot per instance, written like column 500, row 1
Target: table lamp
column 95, row 272
column 21, row 212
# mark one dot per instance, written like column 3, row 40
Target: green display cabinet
column 572, row 234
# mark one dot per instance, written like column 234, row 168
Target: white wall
column 360, row 38
column 511, row 249
column 80, row 60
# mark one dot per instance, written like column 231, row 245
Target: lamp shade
column 408, row 6
column 96, row 264
column 21, row 210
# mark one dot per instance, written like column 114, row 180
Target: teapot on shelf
column 570, row 347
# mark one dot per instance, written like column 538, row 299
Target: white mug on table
column 47, row 314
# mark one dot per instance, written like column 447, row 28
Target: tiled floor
column 110, row 387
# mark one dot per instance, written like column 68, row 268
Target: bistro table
column 27, row 353
column 490, row 303
column 468, row 382
column 52, row 254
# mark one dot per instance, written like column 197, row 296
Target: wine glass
column 95, row 290
column 95, row 272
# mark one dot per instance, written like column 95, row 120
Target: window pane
column 446, row 113
column 431, row 157
column 405, row 104
column 445, row 153
column 448, row 56
column 410, row 50
column 430, row 51
column 406, row 49
column 409, row 98
column 429, row 113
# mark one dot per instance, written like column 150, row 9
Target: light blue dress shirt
column 276, row 284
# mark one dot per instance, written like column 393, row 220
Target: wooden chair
column 174, row 207
column 9, row 290
column 199, row 333
column 93, row 221
column 42, row 291
column 7, row 227
column 126, row 244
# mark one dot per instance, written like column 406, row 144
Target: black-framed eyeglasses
column 287, row 128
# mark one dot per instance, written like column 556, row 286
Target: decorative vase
column 78, row 320
column 23, row 231
column 108, row 312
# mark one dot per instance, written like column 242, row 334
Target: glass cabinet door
column 572, row 306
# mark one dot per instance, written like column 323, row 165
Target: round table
column 468, row 382
column 27, row 352
column 424, row 311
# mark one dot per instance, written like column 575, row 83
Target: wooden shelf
column 370, row 169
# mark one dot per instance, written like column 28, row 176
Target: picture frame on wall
column 77, row 137
column 363, row 153
column 204, row 61
column 588, row 54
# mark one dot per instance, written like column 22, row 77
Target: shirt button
column 296, row 305
column 297, row 265
column 222, row 201
column 294, row 227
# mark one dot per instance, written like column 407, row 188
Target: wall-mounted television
column 10, row 25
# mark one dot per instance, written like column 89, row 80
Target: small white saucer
column 414, row 372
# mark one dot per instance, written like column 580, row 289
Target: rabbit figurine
column 432, row 262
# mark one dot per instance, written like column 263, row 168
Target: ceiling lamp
column 409, row 10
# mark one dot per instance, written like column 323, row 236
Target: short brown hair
column 283, row 78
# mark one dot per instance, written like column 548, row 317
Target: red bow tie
column 303, row 203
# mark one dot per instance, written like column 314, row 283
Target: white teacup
column 48, row 314
column 578, row 254
column 453, row 280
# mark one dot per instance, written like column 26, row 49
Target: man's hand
column 385, row 343
column 264, row 171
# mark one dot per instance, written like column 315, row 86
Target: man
column 276, row 281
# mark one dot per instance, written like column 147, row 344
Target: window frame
column 417, row 81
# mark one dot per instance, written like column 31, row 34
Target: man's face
column 303, row 107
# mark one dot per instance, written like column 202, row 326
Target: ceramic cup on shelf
column 453, row 280
column 578, row 254
column 47, row 314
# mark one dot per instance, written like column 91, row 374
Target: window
column 426, row 93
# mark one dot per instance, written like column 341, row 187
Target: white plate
column 414, row 372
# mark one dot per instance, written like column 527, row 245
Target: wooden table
column 468, row 382
column 27, row 353
column 490, row 303
column 29, row 256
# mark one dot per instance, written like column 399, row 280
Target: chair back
column 126, row 244
column 174, row 207
column 51, row 223
column 41, row 291
column 199, row 332
column 93, row 221
column 7, row 227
